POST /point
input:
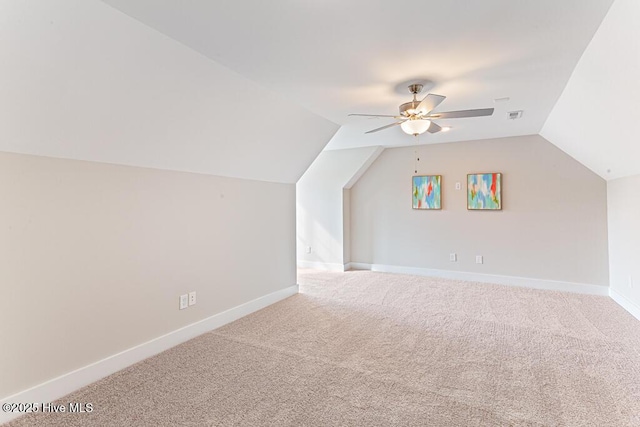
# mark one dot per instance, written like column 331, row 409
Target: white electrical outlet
column 308, row 249
column 479, row 259
column 192, row 298
column 184, row 301
column 458, row 186
column 453, row 257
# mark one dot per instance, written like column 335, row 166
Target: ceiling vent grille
column 512, row 115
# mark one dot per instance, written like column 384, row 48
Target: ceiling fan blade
column 461, row 114
column 430, row 102
column 375, row 115
column 384, row 127
column 434, row 128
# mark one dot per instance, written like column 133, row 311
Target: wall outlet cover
column 479, row 259
column 184, row 301
column 453, row 257
column 192, row 298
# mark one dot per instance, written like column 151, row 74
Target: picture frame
column 426, row 192
column 484, row 191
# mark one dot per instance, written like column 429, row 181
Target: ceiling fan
column 416, row 117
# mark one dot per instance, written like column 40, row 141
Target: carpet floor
column 374, row 349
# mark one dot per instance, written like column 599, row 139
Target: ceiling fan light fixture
column 415, row 127
column 415, row 116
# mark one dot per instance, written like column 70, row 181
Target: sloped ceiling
column 594, row 119
column 82, row 80
column 340, row 169
column 176, row 85
column 339, row 57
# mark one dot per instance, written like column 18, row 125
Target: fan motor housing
column 408, row 106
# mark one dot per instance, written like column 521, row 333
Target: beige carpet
column 374, row 349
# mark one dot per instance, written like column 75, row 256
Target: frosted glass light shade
column 415, row 127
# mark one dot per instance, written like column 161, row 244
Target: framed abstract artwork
column 484, row 191
column 427, row 192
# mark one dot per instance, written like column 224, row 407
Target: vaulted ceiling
column 594, row 119
column 81, row 80
column 236, row 88
column 341, row 57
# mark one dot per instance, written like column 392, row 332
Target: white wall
column 624, row 239
column 553, row 225
column 94, row 256
column 346, row 225
column 320, row 199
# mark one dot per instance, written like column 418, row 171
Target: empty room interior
column 318, row 213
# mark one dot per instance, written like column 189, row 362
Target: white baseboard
column 525, row 282
column 326, row 266
column 69, row 382
column 626, row 303
column 360, row 266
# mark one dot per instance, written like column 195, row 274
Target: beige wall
column 553, row 224
column 94, row 256
column 624, row 237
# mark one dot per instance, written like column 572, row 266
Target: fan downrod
column 415, row 89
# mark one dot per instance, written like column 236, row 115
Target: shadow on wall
column 325, row 244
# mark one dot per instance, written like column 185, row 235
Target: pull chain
column 417, row 159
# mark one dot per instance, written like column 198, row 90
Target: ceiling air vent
column 512, row 115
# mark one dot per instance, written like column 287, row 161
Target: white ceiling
column 81, row 80
column 594, row 119
column 337, row 57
